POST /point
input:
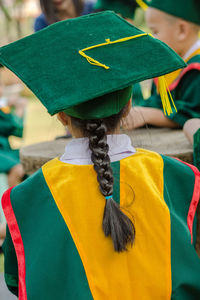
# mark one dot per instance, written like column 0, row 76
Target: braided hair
column 115, row 223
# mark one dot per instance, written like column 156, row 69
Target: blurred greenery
column 5, row 11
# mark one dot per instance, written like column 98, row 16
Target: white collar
column 194, row 47
column 77, row 150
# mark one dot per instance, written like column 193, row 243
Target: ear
column 129, row 105
column 63, row 118
column 183, row 30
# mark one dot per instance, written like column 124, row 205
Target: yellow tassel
column 165, row 95
column 142, row 4
column 107, row 42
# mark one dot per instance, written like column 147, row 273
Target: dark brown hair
column 115, row 223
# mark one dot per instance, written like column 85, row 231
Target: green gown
column 55, row 247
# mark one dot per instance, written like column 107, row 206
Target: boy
column 177, row 24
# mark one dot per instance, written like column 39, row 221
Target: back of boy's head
column 174, row 19
column 175, row 22
column 178, row 33
column 188, row 10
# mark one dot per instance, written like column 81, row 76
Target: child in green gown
column 105, row 220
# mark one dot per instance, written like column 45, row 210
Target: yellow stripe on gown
column 143, row 272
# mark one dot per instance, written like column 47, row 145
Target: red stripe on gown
column 195, row 198
column 17, row 242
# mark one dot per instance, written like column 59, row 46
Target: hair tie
column 109, row 197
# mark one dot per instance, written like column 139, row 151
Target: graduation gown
column 10, row 124
column 55, row 247
column 184, row 86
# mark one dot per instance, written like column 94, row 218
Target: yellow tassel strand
column 107, row 42
column 165, row 95
column 142, row 4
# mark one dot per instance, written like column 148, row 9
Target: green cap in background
column 188, row 10
column 126, row 8
column 82, row 60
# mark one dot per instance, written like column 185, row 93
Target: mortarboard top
column 188, row 10
column 126, row 8
column 74, row 61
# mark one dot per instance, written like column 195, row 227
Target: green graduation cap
column 188, row 10
column 90, row 61
column 126, row 8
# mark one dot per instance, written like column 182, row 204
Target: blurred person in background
column 58, row 10
column 12, row 110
